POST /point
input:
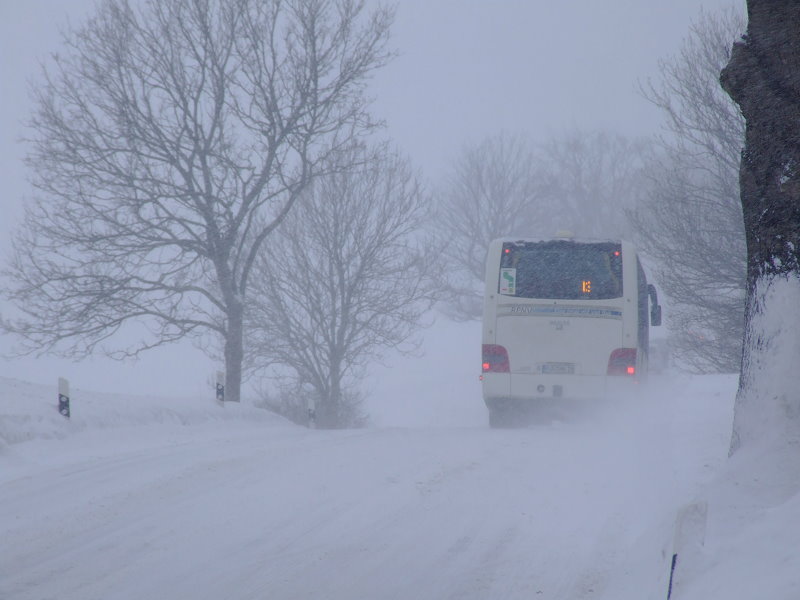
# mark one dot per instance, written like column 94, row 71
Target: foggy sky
column 466, row 69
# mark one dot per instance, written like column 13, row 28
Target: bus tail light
column 495, row 359
column 622, row 362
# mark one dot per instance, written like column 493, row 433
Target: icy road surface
column 573, row 506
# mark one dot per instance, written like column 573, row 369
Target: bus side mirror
column 655, row 315
column 655, row 307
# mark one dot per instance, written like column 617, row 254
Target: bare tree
column 345, row 277
column 509, row 186
column 594, row 177
column 763, row 78
column 690, row 219
column 169, row 140
column 491, row 191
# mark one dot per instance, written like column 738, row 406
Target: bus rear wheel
column 501, row 418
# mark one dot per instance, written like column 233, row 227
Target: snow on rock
column 768, row 412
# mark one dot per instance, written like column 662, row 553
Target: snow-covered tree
column 763, row 78
column 345, row 277
column 593, row 179
column 169, row 139
column 689, row 220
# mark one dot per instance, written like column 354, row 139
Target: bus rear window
column 561, row 270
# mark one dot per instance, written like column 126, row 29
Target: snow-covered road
column 238, row 509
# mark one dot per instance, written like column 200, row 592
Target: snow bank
column 746, row 549
column 769, row 410
column 752, row 533
column 29, row 411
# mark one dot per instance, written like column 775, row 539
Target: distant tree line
column 689, row 222
column 510, row 185
column 676, row 196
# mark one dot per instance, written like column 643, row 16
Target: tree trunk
column 234, row 353
column 329, row 404
column 328, row 416
column 763, row 78
column 335, row 398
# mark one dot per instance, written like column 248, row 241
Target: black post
column 63, row 397
column 312, row 413
column 671, row 575
column 220, row 386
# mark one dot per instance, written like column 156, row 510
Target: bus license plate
column 558, row 368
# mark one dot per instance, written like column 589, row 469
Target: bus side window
column 643, row 313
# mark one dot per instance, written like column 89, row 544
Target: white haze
column 166, row 494
column 466, row 69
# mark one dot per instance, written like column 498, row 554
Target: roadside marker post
column 312, row 413
column 220, row 387
column 690, row 536
column 63, row 397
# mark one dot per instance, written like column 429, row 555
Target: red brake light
column 495, row 359
column 622, row 362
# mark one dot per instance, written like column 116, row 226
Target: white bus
column 562, row 318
